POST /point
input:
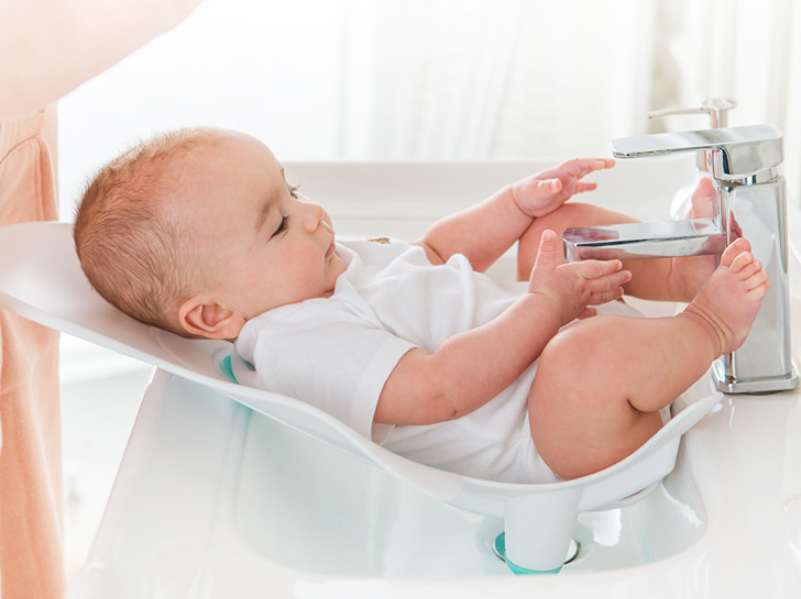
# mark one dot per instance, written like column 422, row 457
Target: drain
column 499, row 549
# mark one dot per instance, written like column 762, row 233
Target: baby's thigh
column 580, row 416
column 572, row 214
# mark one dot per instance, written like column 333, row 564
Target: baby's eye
column 293, row 191
column 282, row 227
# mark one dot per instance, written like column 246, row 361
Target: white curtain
column 746, row 50
column 479, row 79
column 444, row 79
column 512, row 78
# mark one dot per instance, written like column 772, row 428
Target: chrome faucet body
column 750, row 202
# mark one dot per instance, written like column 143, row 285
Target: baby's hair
column 133, row 248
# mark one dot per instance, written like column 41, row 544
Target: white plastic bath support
column 539, row 527
column 41, row 279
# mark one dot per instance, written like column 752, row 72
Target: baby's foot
column 729, row 301
column 689, row 274
column 703, row 200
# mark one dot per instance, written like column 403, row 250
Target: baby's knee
column 562, row 370
column 577, row 359
column 580, row 342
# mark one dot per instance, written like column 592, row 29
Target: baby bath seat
column 41, row 280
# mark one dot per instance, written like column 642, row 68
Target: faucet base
column 727, row 384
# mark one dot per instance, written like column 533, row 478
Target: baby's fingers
column 620, row 277
column 608, row 287
column 615, row 279
column 537, row 197
column 583, row 186
column 545, row 189
column 580, row 167
column 602, row 297
column 594, row 269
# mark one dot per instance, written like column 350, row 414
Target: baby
column 199, row 233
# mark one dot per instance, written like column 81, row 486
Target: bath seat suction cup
column 499, row 547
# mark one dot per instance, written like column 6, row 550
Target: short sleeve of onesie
column 322, row 354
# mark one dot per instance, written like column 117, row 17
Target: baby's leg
column 601, row 382
column 675, row 279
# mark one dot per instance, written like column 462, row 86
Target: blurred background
column 327, row 80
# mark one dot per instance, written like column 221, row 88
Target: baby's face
column 269, row 245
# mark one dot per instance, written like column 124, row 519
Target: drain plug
column 499, row 548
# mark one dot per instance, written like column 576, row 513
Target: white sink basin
column 303, row 506
column 215, row 502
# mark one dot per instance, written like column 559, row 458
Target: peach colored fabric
column 31, row 498
column 47, row 48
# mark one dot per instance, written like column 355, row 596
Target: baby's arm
column 471, row 368
column 485, row 231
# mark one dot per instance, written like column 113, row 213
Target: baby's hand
column 573, row 287
column 544, row 192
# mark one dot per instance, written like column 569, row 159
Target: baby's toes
column 757, row 281
column 734, row 250
column 745, row 265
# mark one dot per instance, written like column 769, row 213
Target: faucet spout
column 737, row 152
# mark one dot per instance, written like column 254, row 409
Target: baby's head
column 197, row 231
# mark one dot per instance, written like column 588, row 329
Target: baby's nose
column 313, row 214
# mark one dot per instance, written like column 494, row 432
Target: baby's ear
column 204, row 318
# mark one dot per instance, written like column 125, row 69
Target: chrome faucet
column 750, row 202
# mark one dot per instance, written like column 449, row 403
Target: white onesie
column 336, row 353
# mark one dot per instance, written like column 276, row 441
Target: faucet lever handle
column 716, row 108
